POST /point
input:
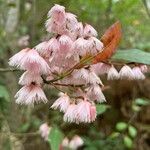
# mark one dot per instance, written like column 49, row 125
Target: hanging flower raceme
column 64, row 62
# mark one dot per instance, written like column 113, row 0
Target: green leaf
column 114, row 134
column 4, row 93
column 101, row 108
column 132, row 55
column 24, row 127
column 128, row 141
column 121, row 126
column 143, row 102
column 55, row 138
column 132, row 131
column 136, row 108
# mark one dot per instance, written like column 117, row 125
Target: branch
column 146, row 7
column 20, row 134
column 8, row 69
column 72, row 85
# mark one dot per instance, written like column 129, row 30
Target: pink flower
column 94, row 79
column 53, row 45
column 100, row 68
column 15, row 60
column 71, row 22
column 65, row 42
column 70, row 115
column 94, row 92
column 80, row 46
column 144, row 68
column 33, row 62
column 76, row 142
column 89, row 31
column 53, row 27
column 94, row 45
column 43, row 49
column 65, row 142
column 79, row 29
column 57, row 13
column 28, row 77
column 85, row 112
column 138, row 75
column 82, row 74
column 112, row 74
column 126, row 73
column 29, row 59
column 30, row 94
column 62, row 103
column 44, row 131
column 93, row 113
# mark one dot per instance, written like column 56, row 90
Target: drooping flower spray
column 60, row 63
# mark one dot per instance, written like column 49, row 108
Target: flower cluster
column 59, row 63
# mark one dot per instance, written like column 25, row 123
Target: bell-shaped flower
column 16, row 59
column 57, row 13
column 85, row 112
column 53, row 45
column 144, row 68
column 28, row 77
column 89, row 31
column 94, row 79
column 80, row 47
column 44, row 130
column 71, row 22
column 53, row 27
column 33, row 62
column 138, row 75
column 93, row 113
column 82, row 74
column 30, row 60
column 43, row 49
column 79, row 29
column 62, row 103
column 94, row 45
column 65, row 42
column 65, row 142
column 94, row 92
column 30, row 94
column 126, row 73
column 100, row 68
column 71, row 115
column 76, row 142
column 112, row 74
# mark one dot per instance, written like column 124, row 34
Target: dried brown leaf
column 110, row 39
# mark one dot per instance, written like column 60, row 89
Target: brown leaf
column 110, row 39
